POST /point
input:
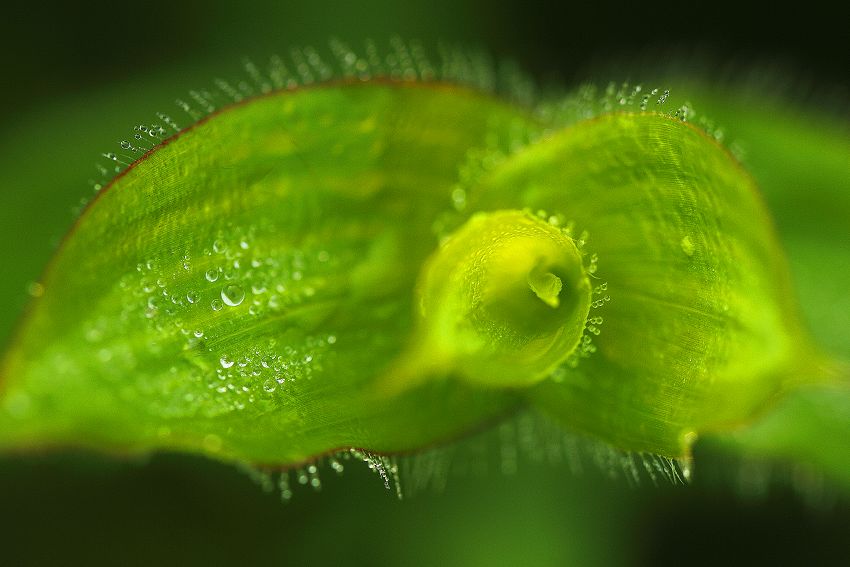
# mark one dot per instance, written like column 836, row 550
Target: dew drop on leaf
column 687, row 246
column 35, row 289
column 232, row 295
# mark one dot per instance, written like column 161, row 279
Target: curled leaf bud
column 502, row 302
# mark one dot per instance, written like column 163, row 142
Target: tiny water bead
column 232, row 295
column 687, row 246
column 35, row 289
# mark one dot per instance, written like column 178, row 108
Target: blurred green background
column 78, row 76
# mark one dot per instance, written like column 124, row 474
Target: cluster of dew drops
column 589, row 101
column 285, row 482
column 185, row 306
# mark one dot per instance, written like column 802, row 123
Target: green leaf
column 387, row 265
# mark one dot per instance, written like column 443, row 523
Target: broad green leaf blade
column 247, row 289
column 701, row 330
column 236, row 291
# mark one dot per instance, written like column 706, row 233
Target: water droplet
column 212, row 274
column 302, row 477
column 687, row 246
column 192, row 297
column 212, row 443
column 283, row 486
column 35, row 289
column 232, row 295
column 225, row 362
column 687, row 470
column 219, row 247
column 459, row 198
column 216, row 304
column 94, row 335
column 269, row 386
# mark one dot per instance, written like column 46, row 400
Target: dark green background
column 78, row 76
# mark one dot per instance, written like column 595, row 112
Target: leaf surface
column 244, row 289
